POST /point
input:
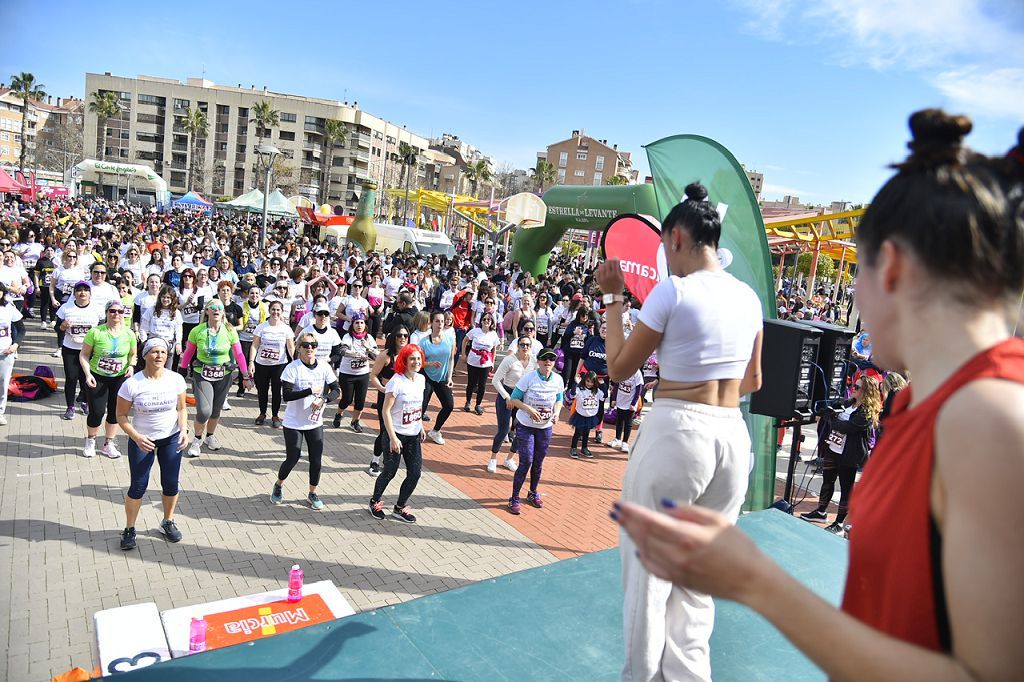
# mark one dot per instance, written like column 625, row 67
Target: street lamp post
column 267, row 154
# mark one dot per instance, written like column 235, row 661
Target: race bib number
column 316, row 409
column 251, row 325
column 67, row 287
column 544, row 412
column 411, row 413
column 590, row 402
column 542, row 327
column 626, row 388
column 357, row 363
column 5, row 331
column 213, row 372
column 576, row 342
column 270, row 353
column 48, row 278
column 110, row 366
column 190, row 308
column 79, row 329
column 836, row 441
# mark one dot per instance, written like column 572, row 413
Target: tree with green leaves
column 266, row 117
column 409, row 158
column 617, row 180
column 25, row 88
column 544, row 173
column 197, row 126
column 476, row 173
column 826, row 269
column 106, row 105
column 335, row 133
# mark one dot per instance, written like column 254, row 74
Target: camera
column 828, row 407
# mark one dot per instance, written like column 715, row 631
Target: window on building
column 181, row 104
column 243, row 112
column 152, row 99
column 286, row 135
column 598, row 178
column 123, row 153
column 599, row 163
column 223, row 109
column 561, row 175
column 581, row 156
column 178, row 179
column 580, row 173
column 5, row 136
column 287, row 118
column 563, row 159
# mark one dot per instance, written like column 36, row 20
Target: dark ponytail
column 697, row 216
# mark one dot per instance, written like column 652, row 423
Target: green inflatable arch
column 675, row 162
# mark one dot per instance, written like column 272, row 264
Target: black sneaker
column 170, row 530
column 377, row 510
column 478, row 409
column 240, row 393
column 355, row 426
column 315, row 502
column 401, row 514
column 814, row 516
column 466, row 408
column 587, row 452
column 835, row 528
column 425, row 417
column 598, row 437
column 373, row 469
column 128, row 538
column 337, row 420
column 574, row 453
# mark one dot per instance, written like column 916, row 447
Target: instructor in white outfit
column 693, row 447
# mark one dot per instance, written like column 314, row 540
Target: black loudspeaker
column 834, row 361
column 789, row 351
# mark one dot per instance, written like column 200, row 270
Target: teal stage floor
column 559, row 622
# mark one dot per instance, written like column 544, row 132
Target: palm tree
column 106, row 105
column 24, row 87
column 197, row 125
column 476, row 173
column 335, row 133
column 544, row 173
column 409, row 158
column 265, row 116
column 617, row 180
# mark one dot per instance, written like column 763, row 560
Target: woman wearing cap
column 358, row 350
column 308, row 383
column 75, row 318
column 694, row 445
column 512, row 368
column 10, row 334
column 212, row 345
column 403, row 405
column 107, row 358
column 272, row 345
column 158, row 432
column 328, row 341
column 537, row 397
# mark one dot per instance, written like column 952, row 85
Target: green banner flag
column 676, row 162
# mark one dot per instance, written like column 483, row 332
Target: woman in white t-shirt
column 308, row 384
column 273, row 343
column 75, row 318
column 164, row 319
column 402, row 412
column 358, row 351
column 158, row 431
column 480, row 345
column 693, row 447
column 10, row 334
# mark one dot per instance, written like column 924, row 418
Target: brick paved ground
column 60, row 516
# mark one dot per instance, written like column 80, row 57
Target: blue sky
column 817, row 99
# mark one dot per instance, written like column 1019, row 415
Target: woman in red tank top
column 934, row 589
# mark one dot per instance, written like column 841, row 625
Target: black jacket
column 858, row 437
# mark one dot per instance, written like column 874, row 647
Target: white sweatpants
column 6, row 370
column 695, row 454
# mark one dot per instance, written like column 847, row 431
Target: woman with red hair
column 403, row 425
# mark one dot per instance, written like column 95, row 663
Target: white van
column 413, row 240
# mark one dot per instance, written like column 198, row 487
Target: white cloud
column 998, row 93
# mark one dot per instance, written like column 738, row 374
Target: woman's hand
column 11, row 350
column 64, row 326
column 534, row 414
column 394, row 444
column 246, row 383
column 144, row 443
column 182, row 439
column 693, row 547
column 90, row 381
column 609, row 277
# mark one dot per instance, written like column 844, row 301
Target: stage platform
column 558, row 622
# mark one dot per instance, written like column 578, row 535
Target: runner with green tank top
column 212, row 350
column 107, row 357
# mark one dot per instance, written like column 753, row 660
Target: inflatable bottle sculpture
column 361, row 231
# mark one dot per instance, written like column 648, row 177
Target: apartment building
column 11, row 111
column 584, row 160
column 149, row 130
column 47, row 126
column 448, row 177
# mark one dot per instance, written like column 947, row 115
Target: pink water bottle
column 295, row 584
column 197, row 636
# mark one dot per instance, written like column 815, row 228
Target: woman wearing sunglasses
column 358, row 350
column 107, row 358
column 273, row 343
column 308, row 384
column 210, row 349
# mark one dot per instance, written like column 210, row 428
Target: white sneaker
column 436, row 437
column 55, row 354
column 211, row 442
column 90, row 448
column 492, row 466
column 226, row 407
column 511, row 464
column 3, row 420
column 44, row 325
column 615, row 444
column 624, row 447
column 195, row 447
column 110, row 450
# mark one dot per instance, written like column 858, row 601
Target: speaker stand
column 786, row 503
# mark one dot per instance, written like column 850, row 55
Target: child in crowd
column 627, row 395
column 586, row 413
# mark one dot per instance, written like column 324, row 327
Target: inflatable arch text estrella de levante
column 675, row 162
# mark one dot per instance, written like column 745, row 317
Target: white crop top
column 708, row 321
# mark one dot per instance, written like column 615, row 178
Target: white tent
column 90, row 170
column 252, row 201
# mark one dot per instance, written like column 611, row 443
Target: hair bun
column 934, row 128
column 696, row 192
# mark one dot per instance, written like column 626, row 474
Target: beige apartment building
column 149, row 131
column 584, row 160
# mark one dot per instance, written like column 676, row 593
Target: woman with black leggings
column 107, row 358
column 480, row 345
column 273, row 343
column 438, row 363
column 383, row 370
column 75, row 319
column 358, row 350
column 157, row 433
column 308, row 384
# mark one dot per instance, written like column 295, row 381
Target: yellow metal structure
column 832, row 234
